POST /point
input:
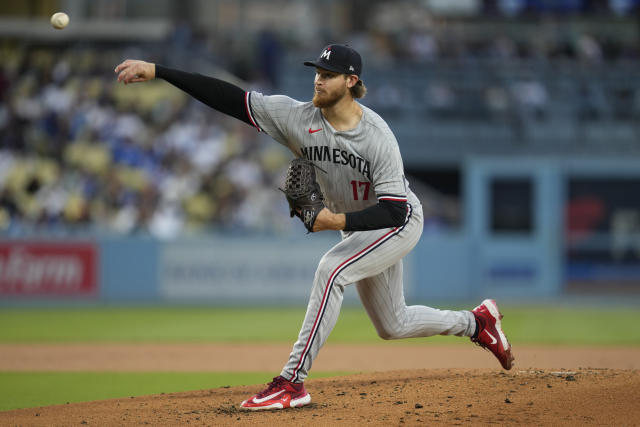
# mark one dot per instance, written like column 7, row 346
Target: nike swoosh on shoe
column 271, row 396
column 494, row 340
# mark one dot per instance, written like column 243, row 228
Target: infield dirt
column 583, row 387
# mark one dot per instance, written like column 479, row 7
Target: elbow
column 399, row 214
column 398, row 221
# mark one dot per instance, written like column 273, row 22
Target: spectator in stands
column 157, row 162
column 121, row 164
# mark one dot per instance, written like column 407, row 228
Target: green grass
column 593, row 327
column 535, row 325
column 29, row 390
column 524, row 325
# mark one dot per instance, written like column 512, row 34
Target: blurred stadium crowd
column 83, row 153
column 80, row 153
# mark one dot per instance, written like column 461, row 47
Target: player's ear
column 352, row 79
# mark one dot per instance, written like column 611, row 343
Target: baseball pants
column 373, row 261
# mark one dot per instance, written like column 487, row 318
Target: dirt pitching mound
column 416, row 397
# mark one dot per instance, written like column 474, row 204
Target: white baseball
column 59, row 20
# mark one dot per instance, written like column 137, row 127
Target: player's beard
column 328, row 99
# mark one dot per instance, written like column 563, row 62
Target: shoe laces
column 275, row 384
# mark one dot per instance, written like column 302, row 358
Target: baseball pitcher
column 347, row 175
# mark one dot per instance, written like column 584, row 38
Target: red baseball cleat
column 279, row 394
column 490, row 335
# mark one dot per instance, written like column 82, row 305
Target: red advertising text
column 40, row 269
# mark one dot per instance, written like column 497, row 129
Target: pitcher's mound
column 416, row 397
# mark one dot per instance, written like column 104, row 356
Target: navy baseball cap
column 338, row 58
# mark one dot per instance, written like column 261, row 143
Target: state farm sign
column 41, row 269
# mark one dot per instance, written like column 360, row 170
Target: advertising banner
column 240, row 269
column 30, row 268
column 246, row 270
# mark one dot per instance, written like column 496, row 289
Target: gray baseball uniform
column 362, row 165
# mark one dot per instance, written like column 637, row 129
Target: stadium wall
column 214, row 270
column 535, row 251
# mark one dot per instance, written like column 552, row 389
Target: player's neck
column 343, row 116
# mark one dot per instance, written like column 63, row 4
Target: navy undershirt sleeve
column 217, row 94
column 230, row 99
column 385, row 214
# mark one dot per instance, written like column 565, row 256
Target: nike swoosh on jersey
column 314, row 130
column 492, row 337
column 271, row 396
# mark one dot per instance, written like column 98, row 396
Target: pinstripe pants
column 372, row 260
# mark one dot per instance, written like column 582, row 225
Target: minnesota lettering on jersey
column 322, row 153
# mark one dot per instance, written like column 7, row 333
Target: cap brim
column 323, row 66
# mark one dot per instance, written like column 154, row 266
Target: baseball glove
column 303, row 192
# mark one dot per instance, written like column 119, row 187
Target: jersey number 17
column 359, row 184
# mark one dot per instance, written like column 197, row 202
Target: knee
column 385, row 335
column 388, row 333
